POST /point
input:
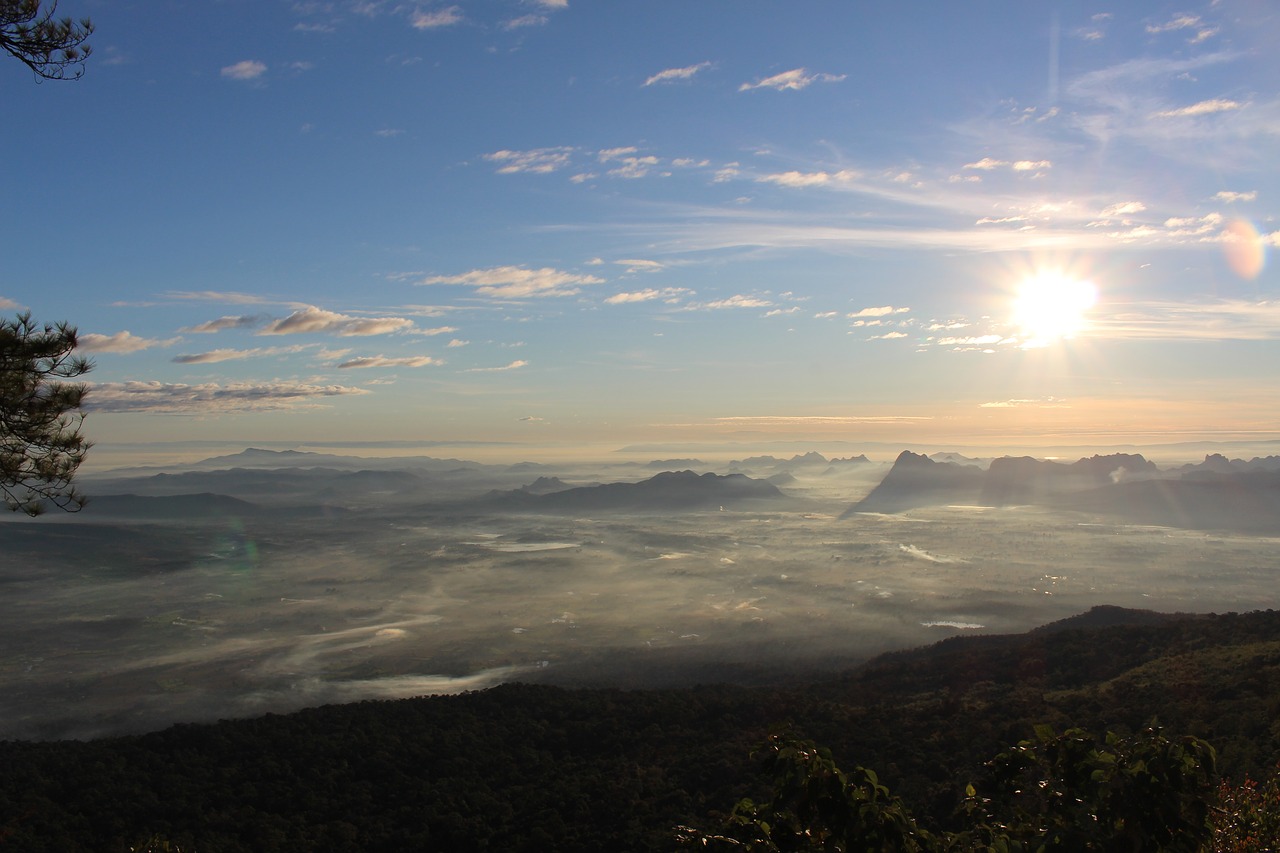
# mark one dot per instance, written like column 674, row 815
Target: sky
column 584, row 223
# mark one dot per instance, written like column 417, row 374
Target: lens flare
column 1244, row 248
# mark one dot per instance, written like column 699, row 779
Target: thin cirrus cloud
column 382, row 361
column 1227, row 319
column 635, row 265
column 229, row 297
column 1042, row 402
column 120, row 342
column 228, row 354
column 630, row 164
column 433, row 20
column 988, row 164
column 512, row 282
column 791, row 81
column 738, row 301
column 1185, row 22
column 526, row 21
column 878, row 311
column 1122, row 208
column 209, row 398
column 672, row 75
column 314, row 320
column 538, row 161
column 515, row 365
column 670, row 294
column 788, row 420
column 246, row 321
column 248, row 69
column 1202, row 108
column 809, row 179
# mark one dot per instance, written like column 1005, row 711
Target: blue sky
column 609, row 222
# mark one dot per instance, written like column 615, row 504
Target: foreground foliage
column 1247, row 816
column 53, row 48
column 41, row 445
column 1059, row 793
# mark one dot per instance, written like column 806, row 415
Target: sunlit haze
column 524, row 228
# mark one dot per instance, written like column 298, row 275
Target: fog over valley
column 273, row 580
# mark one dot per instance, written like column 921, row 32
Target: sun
column 1051, row 305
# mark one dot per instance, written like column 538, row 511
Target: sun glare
column 1052, row 305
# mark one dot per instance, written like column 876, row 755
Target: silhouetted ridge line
column 665, row 491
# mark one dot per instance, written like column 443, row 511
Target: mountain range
column 1215, row 494
column 669, row 490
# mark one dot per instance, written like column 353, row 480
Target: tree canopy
column 53, row 48
column 41, row 445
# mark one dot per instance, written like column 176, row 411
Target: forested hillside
column 527, row 767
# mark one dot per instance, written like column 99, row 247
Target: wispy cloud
column 738, row 301
column 671, row 75
column 511, row 282
column 1203, row 108
column 1177, row 22
column 383, row 361
column 525, row 21
column 248, row 69
column 435, row 19
column 1041, row 403
column 1122, row 208
column 515, row 365
column 648, row 295
column 1203, row 31
column 1221, row 320
column 809, row 179
column 1230, row 197
column 788, row 420
column 635, row 265
column 793, row 80
column 878, row 311
column 632, row 166
column 220, row 355
column 312, row 320
column 988, row 164
column 208, row 398
column 120, row 342
column 538, row 161
column 229, row 297
column 247, row 321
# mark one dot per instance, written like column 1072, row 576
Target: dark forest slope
column 525, row 767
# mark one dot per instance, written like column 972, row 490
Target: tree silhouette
column 54, row 48
column 40, row 441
